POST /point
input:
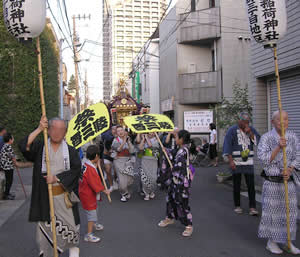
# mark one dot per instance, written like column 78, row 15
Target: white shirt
column 211, row 137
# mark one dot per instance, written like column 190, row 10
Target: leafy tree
column 72, row 83
column 228, row 110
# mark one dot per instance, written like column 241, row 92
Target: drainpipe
column 61, row 80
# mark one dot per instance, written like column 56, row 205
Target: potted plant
column 223, row 176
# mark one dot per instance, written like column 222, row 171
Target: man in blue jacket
column 238, row 148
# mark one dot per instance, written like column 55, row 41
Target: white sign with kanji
column 24, row 19
column 198, row 121
column 267, row 20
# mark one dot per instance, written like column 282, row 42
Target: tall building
column 204, row 51
column 132, row 24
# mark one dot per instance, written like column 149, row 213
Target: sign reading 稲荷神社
column 267, row 20
column 24, row 18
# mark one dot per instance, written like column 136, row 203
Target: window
column 213, row 63
column 212, row 3
column 193, row 5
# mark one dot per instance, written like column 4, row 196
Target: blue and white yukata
column 273, row 219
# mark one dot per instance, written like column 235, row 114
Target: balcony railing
column 200, row 87
column 200, row 25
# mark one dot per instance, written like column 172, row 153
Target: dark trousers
column 9, row 177
column 237, row 178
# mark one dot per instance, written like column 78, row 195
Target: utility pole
column 86, row 90
column 76, row 60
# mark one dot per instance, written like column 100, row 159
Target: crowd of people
column 125, row 156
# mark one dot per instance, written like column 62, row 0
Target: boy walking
column 90, row 186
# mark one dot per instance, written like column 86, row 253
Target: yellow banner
column 88, row 124
column 147, row 123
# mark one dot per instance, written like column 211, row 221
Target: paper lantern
column 267, row 20
column 24, row 19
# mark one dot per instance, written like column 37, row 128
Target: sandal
column 253, row 212
column 188, row 231
column 165, row 222
column 238, row 210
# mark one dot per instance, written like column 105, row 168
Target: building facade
column 263, row 80
column 204, row 51
column 145, row 74
column 107, row 51
column 132, row 24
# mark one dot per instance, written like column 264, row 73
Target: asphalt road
column 130, row 229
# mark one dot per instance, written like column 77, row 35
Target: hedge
column 20, row 108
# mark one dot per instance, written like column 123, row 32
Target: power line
column 221, row 16
column 62, row 16
column 163, row 15
column 209, row 24
column 66, row 13
column 64, row 36
column 177, row 25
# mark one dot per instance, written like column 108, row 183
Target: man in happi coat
column 273, row 221
column 238, row 147
column 65, row 168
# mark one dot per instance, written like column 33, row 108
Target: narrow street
column 131, row 228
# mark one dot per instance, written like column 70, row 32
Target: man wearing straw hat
column 65, row 168
column 273, row 224
column 238, row 147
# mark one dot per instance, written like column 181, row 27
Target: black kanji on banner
column 87, row 126
column 165, row 125
column 76, row 139
column 146, row 118
column 139, row 126
column 270, row 21
column 87, row 131
column 13, row 17
column 150, row 123
column 83, row 118
column 254, row 21
column 83, row 127
column 100, row 124
column 152, row 126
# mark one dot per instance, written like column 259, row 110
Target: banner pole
column 164, row 151
column 284, row 149
column 104, row 183
column 45, row 134
column 20, row 178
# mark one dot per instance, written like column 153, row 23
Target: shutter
column 290, row 98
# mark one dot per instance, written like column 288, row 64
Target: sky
column 91, row 29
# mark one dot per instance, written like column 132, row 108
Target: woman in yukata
column 150, row 150
column 123, row 164
column 179, row 184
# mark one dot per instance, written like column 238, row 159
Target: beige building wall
column 193, row 59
